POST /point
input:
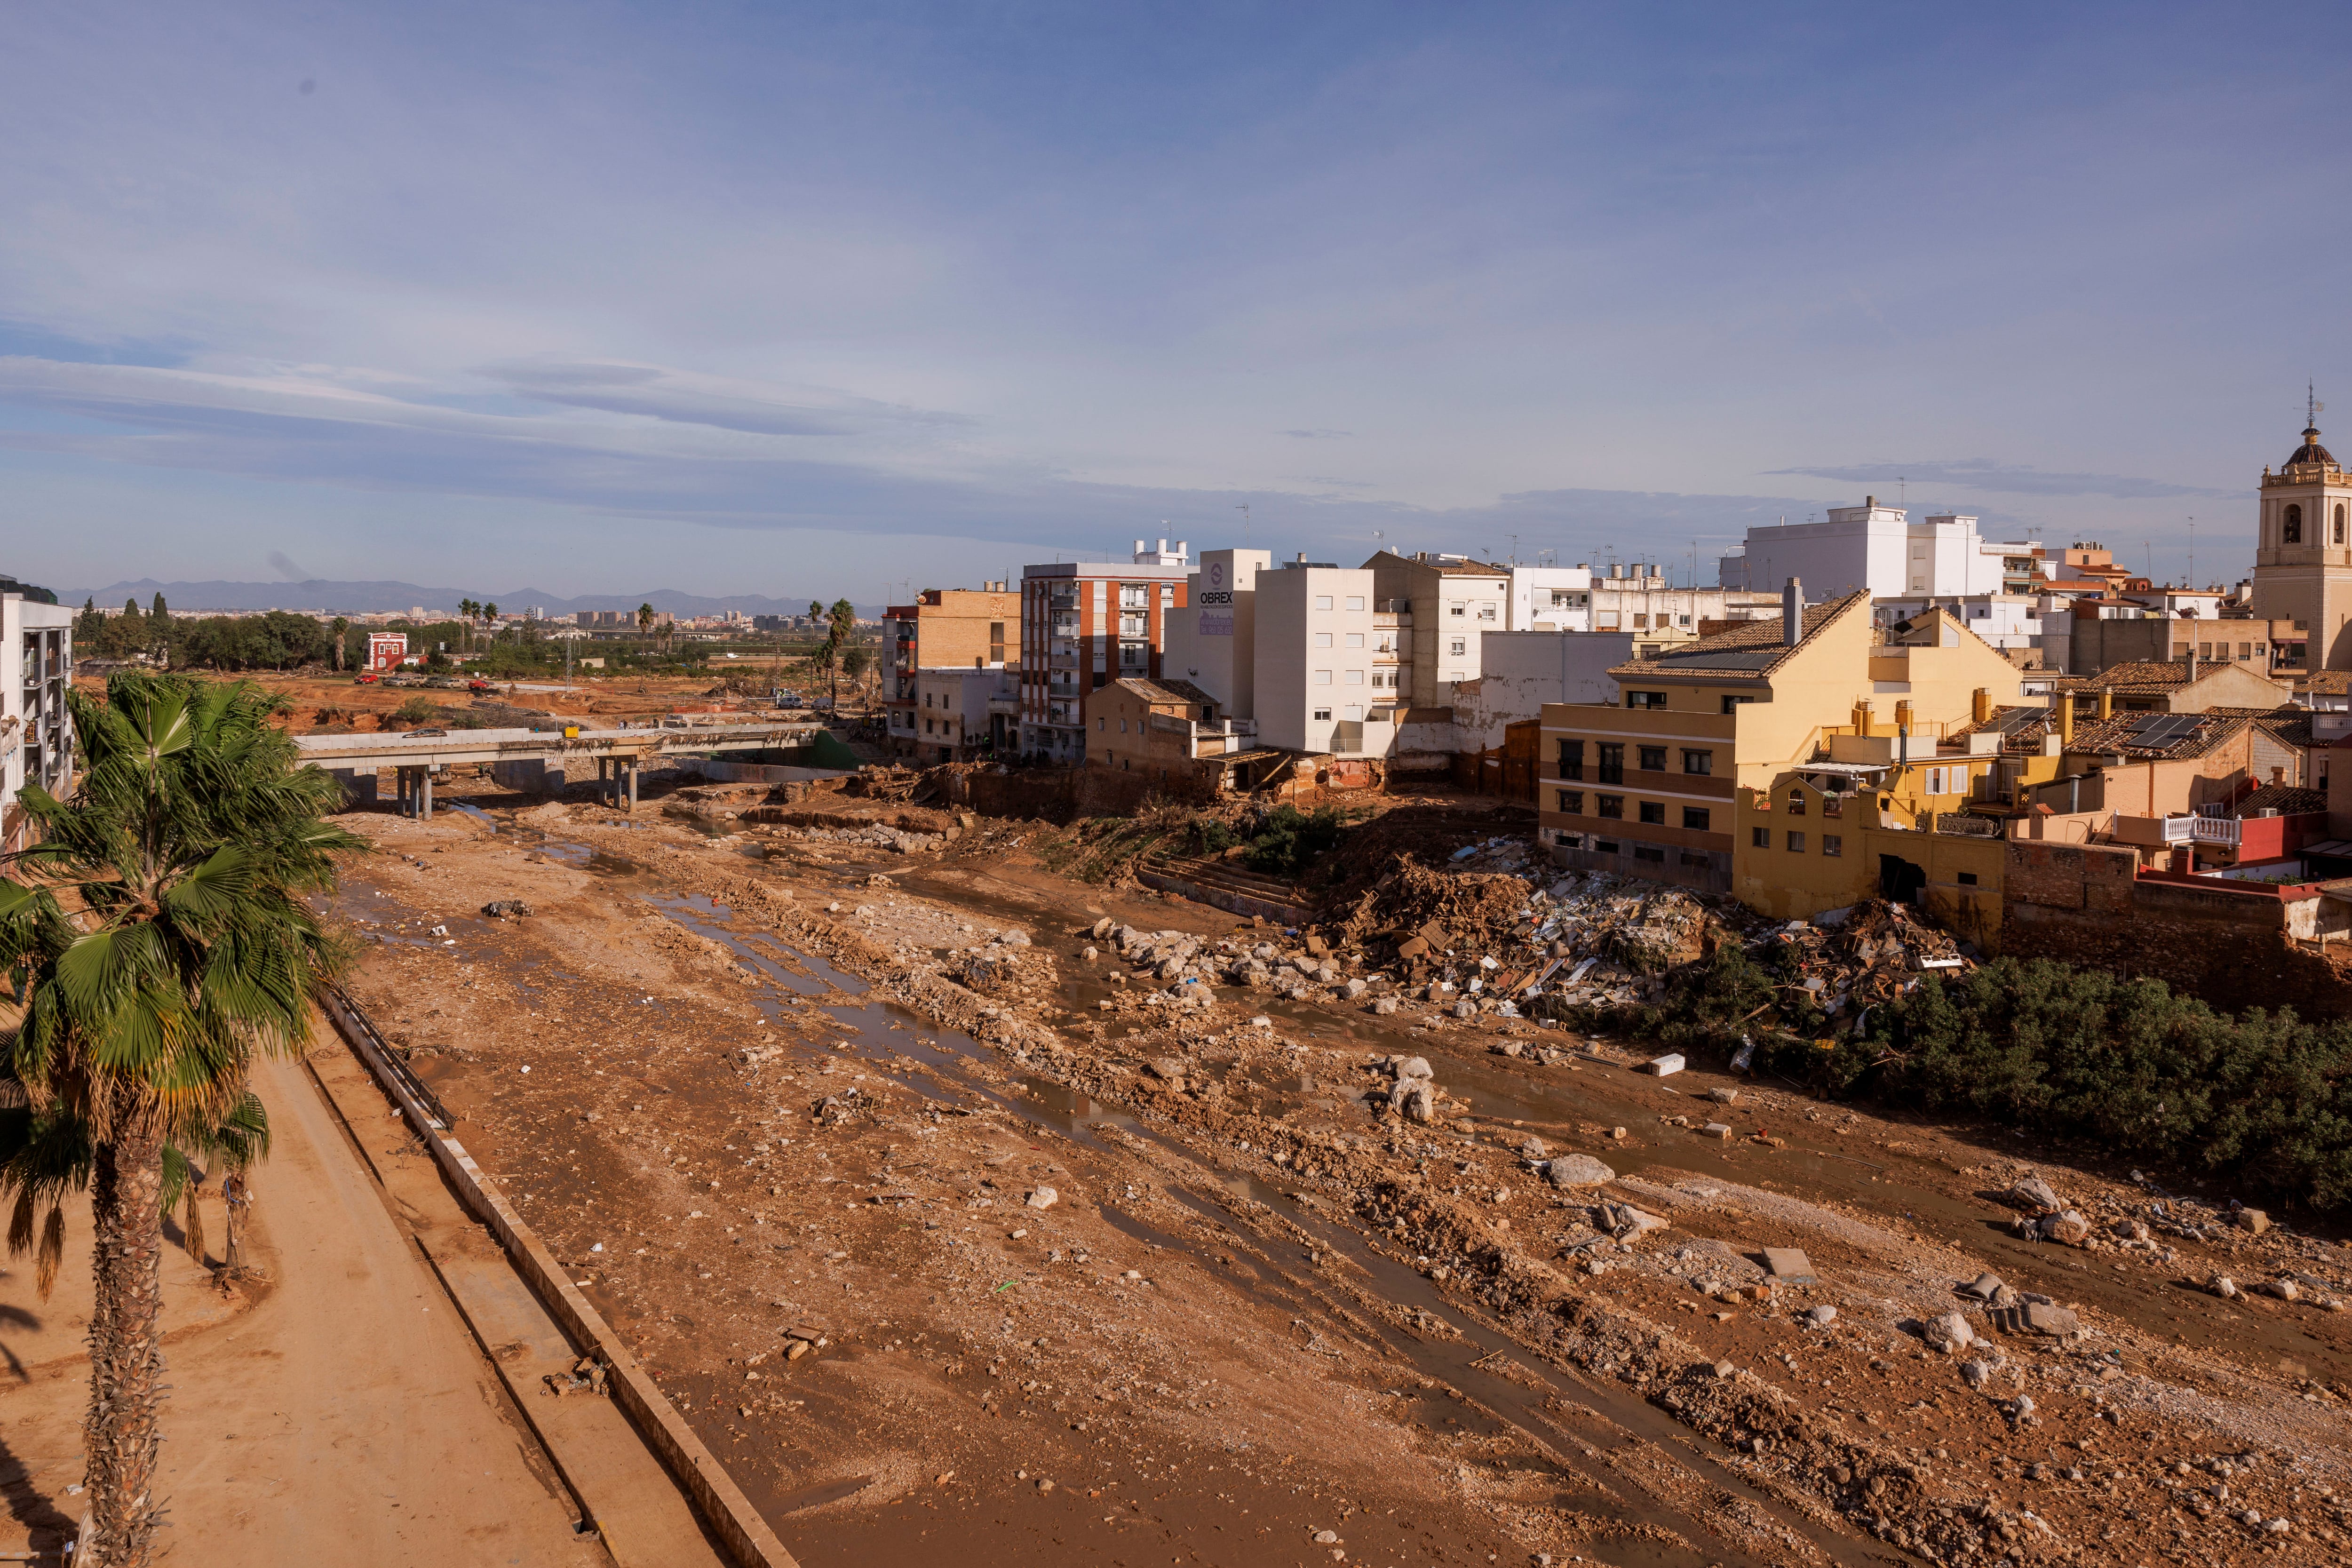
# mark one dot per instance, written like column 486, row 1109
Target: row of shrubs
column 2261, row 1099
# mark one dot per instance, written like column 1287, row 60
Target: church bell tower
column 2302, row 551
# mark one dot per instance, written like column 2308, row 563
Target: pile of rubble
column 880, row 836
column 1865, row 955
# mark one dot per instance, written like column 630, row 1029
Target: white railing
column 2201, row 830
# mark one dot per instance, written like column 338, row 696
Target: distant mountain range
column 379, row 598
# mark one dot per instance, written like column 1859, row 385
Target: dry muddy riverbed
column 749, row 1087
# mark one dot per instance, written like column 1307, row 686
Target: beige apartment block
column 1648, row 784
column 1453, row 602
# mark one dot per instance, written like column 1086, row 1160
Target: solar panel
column 2011, row 720
column 2157, row 730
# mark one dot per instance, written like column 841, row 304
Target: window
column 1604, row 847
column 1968, row 879
column 1648, row 852
column 1355, row 601
column 1486, row 611
column 1699, row 861
column 1457, row 609
column 2245, row 650
column 1654, row 759
column 2205, row 649
column 1322, row 639
column 1610, row 806
column 1681, row 620
column 1699, row 762
column 1355, row 677
column 1322, row 678
column 1355, row 639
column 1760, row 837
column 1613, row 762
column 2290, row 525
column 1355, row 712
column 1133, row 595
column 1645, row 699
column 1731, row 702
column 1322, row 715
column 927, row 699
column 996, row 642
column 1322, row 601
column 1695, row 817
column 1652, row 812
column 1641, row 623
column 1796, row 844
column 1833, row 844
column 1458, row 646
column 1102, row 724
column 1795, row 802
column 1571, row 801
column 1571, row 759
column 2339, row 523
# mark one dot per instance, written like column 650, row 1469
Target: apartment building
column 1879, row 551
column 961, row 715
column 37, row 739
column 1641, row 598
column 1330, row 661
column 1550, row 599
column 1649, row 784
column 1085, row 624
column 944, row 628
column 1452, row 600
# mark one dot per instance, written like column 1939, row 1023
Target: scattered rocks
column 2034, row 1194
column 506, row 909
column 1821, row 1317
column 2224, row 1287
column 2067, row 1228
column 2253, row 1220
column 1949, row 1333
column 1044, row 1198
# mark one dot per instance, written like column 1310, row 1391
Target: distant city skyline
column 802, row 302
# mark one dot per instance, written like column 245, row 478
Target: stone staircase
column 1225, row 885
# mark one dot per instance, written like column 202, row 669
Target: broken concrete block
column 1410, row 948
column 2254, row 1220
column 2223, row 1286
column 2035, row 1195
column 1821, row 1317
column 1722, row 1096
column 1788, row 1263
column 1402, row 1067
column 1949, row 1333
column 1661, row 1066
column 1627, row 1223
column 1716, row 1130
column 1577, row 1171
column 1044, row 1198
column 2041, row 1318
column 2065, row 1228
column 1384, row 1005
column 1983, row 1288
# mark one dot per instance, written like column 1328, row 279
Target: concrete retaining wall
column 723, row 1505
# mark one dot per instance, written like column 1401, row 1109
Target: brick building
column 1085, row 623
column 944, row 628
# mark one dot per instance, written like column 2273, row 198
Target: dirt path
column 345, row 1417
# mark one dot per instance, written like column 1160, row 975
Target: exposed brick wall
column 2079, row 903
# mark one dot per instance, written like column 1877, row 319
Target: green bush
column 2264, row 1097
column 1289, row 840
column 417, row 709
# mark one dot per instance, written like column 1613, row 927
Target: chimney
column 2192, row 661
column 1302, row 558
column 2107, row 703
column 1793, row 614
column 1981, row 705
column 2064, row 701
column 1862, row 717
column 1183, row 549
column 1902, row 715
column 1163, row 547
column 1139, row 549
column 1870, row 503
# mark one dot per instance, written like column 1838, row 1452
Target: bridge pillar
column 425, row 794
column 632, row 783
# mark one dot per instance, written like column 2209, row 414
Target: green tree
column 157, row 940
column 337, row 628
column 89, row 626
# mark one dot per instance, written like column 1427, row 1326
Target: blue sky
column 819, row 300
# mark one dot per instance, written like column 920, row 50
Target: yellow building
column 1676, row 780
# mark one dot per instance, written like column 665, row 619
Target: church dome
column 2311, row 451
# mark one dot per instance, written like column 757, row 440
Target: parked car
column 478, row 684
column 366, row 678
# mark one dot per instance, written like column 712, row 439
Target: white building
column 1521, row 671
column 1453, row 601
column 960, row 714
column 1877, row 549
column 1320, row 681
column 1550, row 599
column 37, row 740
column 2004, row 620
column 1212, row 641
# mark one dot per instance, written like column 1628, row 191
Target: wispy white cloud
column 2004, row 479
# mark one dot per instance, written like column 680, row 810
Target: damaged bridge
column 534, row 759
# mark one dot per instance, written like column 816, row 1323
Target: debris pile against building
column 1848, row 960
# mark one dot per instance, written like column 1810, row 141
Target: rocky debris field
column 945, row 1195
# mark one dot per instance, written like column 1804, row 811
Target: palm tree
column 156, row 941
column 491, row 620
column 644, row 620
column 469, row 609
column 841, row 622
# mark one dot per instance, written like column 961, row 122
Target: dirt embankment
column 765, row 1078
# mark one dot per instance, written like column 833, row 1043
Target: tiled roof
column 1746, row 651
column 2121, row 734
column 2140, row 675
column 2291, row 725
column 2329, row 682
column 2285, row 799
column 1166, row 690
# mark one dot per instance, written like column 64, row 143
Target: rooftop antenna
column 1515, row 549
column 1243, row 510
column 2192, row 553
column 1902, row 489
column 2313, row 407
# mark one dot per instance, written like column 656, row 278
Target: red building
column 1085, row 623
column 387, row 651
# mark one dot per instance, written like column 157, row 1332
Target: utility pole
column 2192, row 553
column 1243, row 510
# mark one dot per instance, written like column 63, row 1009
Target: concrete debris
column 2033, row 1195
column 1625, row 1222
column 1577, row 1171
column 1983, row 1288
column 1821, row 1317
column 2254, row 1220
column 1949, row 1333
column 506, row 909
column 1662, row 1067
column 1788, row 1263
column 1044, row 1198
column 2065, row 1227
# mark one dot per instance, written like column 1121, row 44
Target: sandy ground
column 337, row 1413
column 739, row 1079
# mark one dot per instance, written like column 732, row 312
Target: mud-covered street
column 961, row 1205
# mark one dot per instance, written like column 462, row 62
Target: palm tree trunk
column 126, row 1346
